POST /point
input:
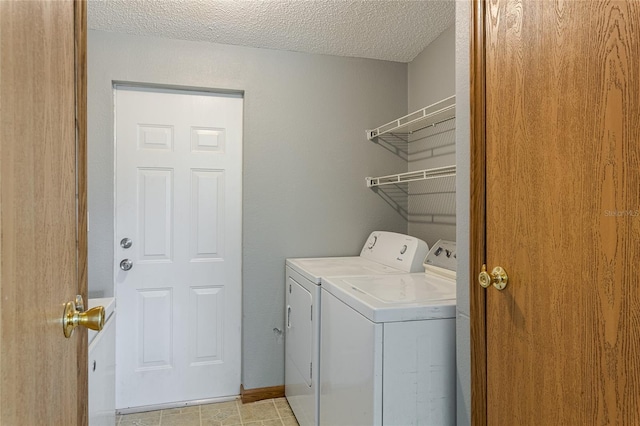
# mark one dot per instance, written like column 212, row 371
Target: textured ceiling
column 395, row 30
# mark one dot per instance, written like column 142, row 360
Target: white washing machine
column 384, row 253
column 388, row 346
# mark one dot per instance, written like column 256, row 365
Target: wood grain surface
column 477, row 219
column 258, row 394
column 80, row 54
column 563, row 212
column 38, row 261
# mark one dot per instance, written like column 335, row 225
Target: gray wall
column 305, row 160
column 431, row 73
column 431, row 205
column 463, row 184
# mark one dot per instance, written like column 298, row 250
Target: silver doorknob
column 126, row 243
column 126, row 264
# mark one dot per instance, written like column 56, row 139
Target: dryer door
column 299, row 329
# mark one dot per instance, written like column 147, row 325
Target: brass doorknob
column 498, row 277
column 72, row 318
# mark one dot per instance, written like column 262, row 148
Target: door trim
column 172, row 88
column 80, row 42
column 477, row 225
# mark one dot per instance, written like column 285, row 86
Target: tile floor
column 270, row 412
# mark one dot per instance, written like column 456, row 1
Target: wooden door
column 42, row 248
column 561, row 103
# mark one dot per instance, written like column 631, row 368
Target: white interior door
column 178, row 198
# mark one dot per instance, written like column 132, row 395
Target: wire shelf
column 429, row 116
column 434, row 173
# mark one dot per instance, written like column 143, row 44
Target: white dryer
column 384, row 253
column 388, row 346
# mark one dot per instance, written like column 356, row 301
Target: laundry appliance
column 102, row 366
column 384, row 253
column 388, row 346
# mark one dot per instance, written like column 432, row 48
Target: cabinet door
column 299, row 328
column 102, row 376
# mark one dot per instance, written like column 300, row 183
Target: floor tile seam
column 262, row 420
column 238, row 402
column 273, row 401
column 278, row 411
column 239, row 407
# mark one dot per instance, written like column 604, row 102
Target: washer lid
column 314, row 268
column 391, row 298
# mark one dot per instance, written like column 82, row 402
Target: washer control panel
column 395, row 250
column 442, row 255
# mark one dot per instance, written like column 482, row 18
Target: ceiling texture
column 392, row 30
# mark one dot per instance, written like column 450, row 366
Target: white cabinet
column 102, row 368
column 301, row 350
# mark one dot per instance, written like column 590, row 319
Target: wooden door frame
column 80, row 41
column 477, row 224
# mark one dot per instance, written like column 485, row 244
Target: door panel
column 206, row 337
column 155, row 344
column 179, row 171
column 155, row 218
column 300, row 328
column 44, row 375
column 207, row 210
column 563, row 211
